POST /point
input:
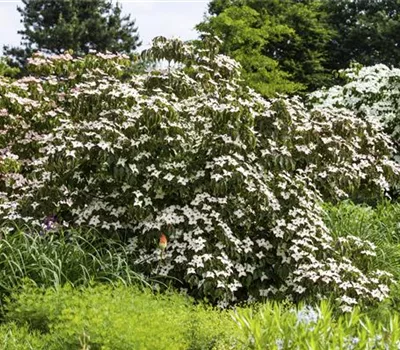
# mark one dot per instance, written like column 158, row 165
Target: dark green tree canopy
column 281, row 44
column 55, row 26
column 367, row 32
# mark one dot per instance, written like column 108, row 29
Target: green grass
column 58, row 258
column 380, row 225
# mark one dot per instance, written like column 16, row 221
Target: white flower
column 217, row 177
column 70, row 153
column 103, row 145
column 169, row 177
column 133, row 168
column 94, row 220
column 122, row 162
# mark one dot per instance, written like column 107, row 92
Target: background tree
column 55, row 26
column 6, row 70
column 366, row 32
column 281, row 44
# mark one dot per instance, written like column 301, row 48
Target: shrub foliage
column 233, row 180
column 103, row 317
column 373, row 92
column 122, row 318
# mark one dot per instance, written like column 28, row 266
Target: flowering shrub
column 232, row 180
column 373, row 92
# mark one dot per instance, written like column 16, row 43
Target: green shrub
column 233, row 180
column 274, row 326
column 378, row 225
column 104, row 317
column 13, row 337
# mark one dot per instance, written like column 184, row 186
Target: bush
column 372, row 92
column 274, row 326
column 378, row 225
column 6, row 70
column 104, row 317
column 13, row 337
column 233, row 181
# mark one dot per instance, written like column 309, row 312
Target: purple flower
column 50, row 221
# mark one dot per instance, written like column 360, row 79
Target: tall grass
column 380, row 225
column 54, row 259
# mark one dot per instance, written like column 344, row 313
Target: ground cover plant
column 104, row 317
column 234, row 181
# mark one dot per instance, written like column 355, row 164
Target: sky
column 170, row 18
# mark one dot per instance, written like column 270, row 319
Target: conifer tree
column 55, row 26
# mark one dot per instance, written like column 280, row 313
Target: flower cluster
column 373, row 92
column 234, row 181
